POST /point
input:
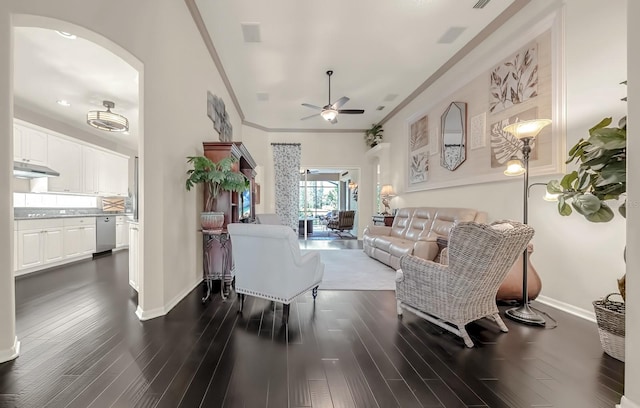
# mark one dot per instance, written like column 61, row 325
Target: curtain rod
column 285, row 144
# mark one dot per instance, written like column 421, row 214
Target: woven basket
column 611, row 326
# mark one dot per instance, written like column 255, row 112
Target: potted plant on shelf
column 373, row 135
column 601, row 176
column 215, row 177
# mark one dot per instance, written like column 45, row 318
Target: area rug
column 352, row 269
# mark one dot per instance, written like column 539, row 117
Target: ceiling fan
column 330, row 112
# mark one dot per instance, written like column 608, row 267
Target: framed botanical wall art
column 504, row 145
column 420, row 142
column 515, row 80
column 419, row 167
column 419, row 136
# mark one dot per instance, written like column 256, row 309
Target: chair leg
column 500, row 322
column 314, row 292
column 465, row 336
column 398, row 308
column 285, row 314
column 241, row 300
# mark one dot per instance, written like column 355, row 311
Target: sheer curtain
column 286, row 163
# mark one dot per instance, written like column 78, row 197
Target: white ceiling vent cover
column 251, row 32
column 451, row 35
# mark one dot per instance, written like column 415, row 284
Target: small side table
column 224, row 276
column 381, row 219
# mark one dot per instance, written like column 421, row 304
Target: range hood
column 27, row 170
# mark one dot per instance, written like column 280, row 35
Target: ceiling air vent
column 481, row 3
column 251, row 32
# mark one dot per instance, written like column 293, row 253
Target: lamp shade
column 527, row 128
column 329, row 114
column 387, row 191
column 514, row 167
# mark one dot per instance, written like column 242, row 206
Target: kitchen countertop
column 53, row 216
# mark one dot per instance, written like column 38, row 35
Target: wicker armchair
column 453, row 295
column 342, row 222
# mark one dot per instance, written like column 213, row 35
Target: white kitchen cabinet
column 134, row 253
column 65, row 157
column 90, row 165
column 113, row 174
column 40, row 242
column 79, row 236
column 122, row 232
column 29, row 145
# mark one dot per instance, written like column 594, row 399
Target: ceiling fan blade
column 310, row 116
column 337, row 104
column 312, row 106
column 334, row 121
column 351, row 111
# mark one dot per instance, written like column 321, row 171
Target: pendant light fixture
column 107, row 120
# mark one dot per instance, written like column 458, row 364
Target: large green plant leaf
column 563, row 208
column 604, row 214
column 554, row 187
column 609, row 138
column 586, row 204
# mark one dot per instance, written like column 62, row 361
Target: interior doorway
column 327, row 196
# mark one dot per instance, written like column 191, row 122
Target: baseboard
column 163, row 310
column 149, row 314
column 627, row 403
column 10, row 353
column 566, row 307
column 176, row 299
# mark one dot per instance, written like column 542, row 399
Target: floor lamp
column 525, row 131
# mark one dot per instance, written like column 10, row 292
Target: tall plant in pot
column 601, row 177
column 216, row 177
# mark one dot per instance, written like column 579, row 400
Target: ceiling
column 49, row 67
column 380, row 51
column 379, row 59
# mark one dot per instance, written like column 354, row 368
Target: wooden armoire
column 231, row 203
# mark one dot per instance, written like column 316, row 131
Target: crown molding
column 294, row 130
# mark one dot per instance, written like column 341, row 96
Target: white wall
column 319, row 150
column 177, row 73
column 578, row 261
column 632, row 352
column 8, row 346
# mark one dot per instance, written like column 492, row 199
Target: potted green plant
column 601, row 177
column 216, row 177
column 373, row 135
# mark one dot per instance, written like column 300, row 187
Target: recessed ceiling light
column 63, row 102
column 67, row 35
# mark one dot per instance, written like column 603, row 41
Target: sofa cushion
column 399, row 248
column 420, row 223
column 447, row 218
column 401, row 222
column 426, row 250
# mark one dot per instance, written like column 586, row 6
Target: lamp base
column 524, row 314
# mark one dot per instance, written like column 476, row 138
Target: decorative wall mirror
column 453, row 137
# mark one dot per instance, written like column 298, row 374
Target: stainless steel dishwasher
column 105, row 233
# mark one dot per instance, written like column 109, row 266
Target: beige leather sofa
column 414, row 232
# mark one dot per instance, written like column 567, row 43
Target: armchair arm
column 308, row 257
column 421, row 280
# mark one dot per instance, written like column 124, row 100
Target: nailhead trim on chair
column 276, row 298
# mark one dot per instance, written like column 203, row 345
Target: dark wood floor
column 82, row 346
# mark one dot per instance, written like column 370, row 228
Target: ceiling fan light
column 329, row 114
column 107, row 120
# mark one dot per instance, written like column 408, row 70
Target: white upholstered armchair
column 268, row 264
column 480, row 256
